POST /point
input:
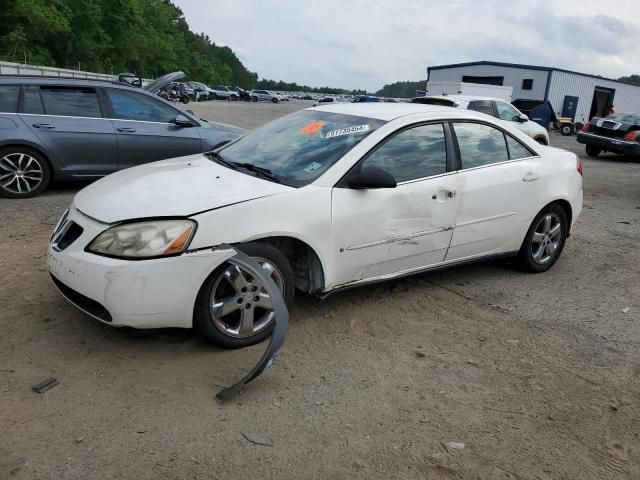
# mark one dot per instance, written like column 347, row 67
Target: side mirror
column 371, row 177
column 523, row 118
column 182, row 121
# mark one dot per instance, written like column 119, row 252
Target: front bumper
column 610, row 144
column 153, row 293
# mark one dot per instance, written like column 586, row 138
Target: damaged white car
column 324, row 198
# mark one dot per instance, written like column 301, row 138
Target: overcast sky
column 368, row 43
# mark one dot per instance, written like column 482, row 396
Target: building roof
column 524, row 66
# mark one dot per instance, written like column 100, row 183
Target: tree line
column 146, row 37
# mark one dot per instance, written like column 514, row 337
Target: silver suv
column 264, row 95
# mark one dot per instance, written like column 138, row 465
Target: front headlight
column 144, row 239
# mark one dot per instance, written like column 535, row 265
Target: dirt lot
column 537, row 375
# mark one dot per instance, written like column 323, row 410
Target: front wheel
column 23, row 172
column 184, row 99
column 593, row 151
column 233, row 309
column 274, row 100
column 545, row 240
column 255, row 99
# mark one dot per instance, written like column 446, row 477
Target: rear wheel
column 233, row 309
column 23, row 172
column 593, row 151
column 274, row 100
column 255, row 99
column 545, row 240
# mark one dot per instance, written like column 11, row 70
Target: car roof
column 42, row 80
column 391, row 111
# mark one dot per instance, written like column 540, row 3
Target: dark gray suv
column 57, row 129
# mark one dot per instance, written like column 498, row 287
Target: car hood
column 177, row 187
column 159, row 83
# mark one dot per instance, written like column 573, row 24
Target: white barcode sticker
column 347, row 131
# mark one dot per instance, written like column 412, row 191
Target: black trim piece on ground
column 281, row 322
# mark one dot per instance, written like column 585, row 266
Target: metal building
column 572, row 94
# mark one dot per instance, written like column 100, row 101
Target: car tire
column 218, row 289
column 593, row 151
column 233, row 98
column 274, row 100
column 255, row 99
column 12, row 158
column 542, row 247
column 541, row 140
column 566, row 130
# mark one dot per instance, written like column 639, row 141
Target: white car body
column 358, row 236
column 518, row 120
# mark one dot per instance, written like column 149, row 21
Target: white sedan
column 324, row 198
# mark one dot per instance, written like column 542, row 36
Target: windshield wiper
column 216, row 157
column 265, row 172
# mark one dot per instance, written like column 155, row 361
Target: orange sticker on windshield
column 312, row 128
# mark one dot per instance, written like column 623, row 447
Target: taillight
column 579, row 165
column 632, row 136
column 586, row 127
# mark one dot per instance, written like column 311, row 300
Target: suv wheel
column 274, row 100
column 23, row 172
column 255, row 99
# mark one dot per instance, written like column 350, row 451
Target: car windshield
column 300, row 147
column 625, row 117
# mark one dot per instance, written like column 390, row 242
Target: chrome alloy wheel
column 20, row 173
column 240, row 305
column 547, row 236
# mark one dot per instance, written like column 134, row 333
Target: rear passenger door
column 69, row 121
column 146, row 130
column 498, row 185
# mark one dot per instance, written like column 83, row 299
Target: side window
column 507, row 112
column 70, row 102
column 31, row 101
column 482, row 106
column 516, row 149
column 9, row 98
column 135, row 106
column 415, row 153
column 480, row 144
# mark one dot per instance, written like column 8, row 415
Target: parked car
column 324, row 199
column 70, row 129
column 201, row 90
column 326, row 100
column 617, row 133
column 220, row 92
column 242, row 93
column 366, row 99
column 491, row 106
column 264, row 95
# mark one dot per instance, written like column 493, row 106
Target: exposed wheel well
column 541, row 140
column 304, row 261
column 38, row 151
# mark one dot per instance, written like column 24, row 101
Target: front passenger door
column 146, row 131
column 380, row 232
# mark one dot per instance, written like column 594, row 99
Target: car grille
column 83, row 303
column 68, row 234
column 607, row 132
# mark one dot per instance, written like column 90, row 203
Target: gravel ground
column 535, row 376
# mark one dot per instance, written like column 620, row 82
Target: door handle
column 530, row 177
column 126, row 129
column 448, row 193
column 44, row 125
